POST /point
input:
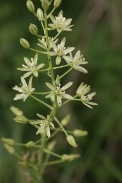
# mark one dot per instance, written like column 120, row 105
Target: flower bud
column 30, row 144
column 16, row 111
column 80, row 133
column 71, row 140
column 24, row 43
column 30, row 6
column 8, row 141
column 45, row 4
column 9, row 148
column 40, row 14
column 57, row 3
column 33, row 29
column 21, row 119
column 70, row 157
column 51, row 145
column 65, row 120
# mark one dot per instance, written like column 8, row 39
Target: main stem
column 52, row 115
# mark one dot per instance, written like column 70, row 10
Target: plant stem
column 61, row 126
column 41, row 102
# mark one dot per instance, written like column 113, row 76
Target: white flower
column 59, row 91
column 42, row 42
column 31, row 67
column 60, row 23
column 25, row 89
column 44, row 124
column 82, row 92
column 60, row 50
column 76, row 61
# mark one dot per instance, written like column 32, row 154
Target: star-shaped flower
column 82, row 92
column 76, row 61
column 42, row 42
column 44, row 124
column 60, row 50
column 60, row 23
column 59, row 91
column 25, row 90
column 31, row 66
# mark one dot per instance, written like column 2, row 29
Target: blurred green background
column 97, row 32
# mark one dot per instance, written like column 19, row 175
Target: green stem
column 37, row 51
column 50, row 64
column 51, row 12
column 41, row 102
column 48, row 47
column 65, row 73
column 52, row 153
column 41, row 93
column 54, row 162
column 41, row 169
column 61, row 126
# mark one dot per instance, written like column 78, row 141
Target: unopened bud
column 71, row 140
column 51, row 145
column 45, row 4
column 70, row 157
column 40, row 14
column 24, row 43
column 21, row 119
column 33, row 29
column 8, row 141
column 30, row 144
column 65, row 120
column 9, row 148
column 80, row 133
column 16, row 111
column 30, row 6
column 57, row 3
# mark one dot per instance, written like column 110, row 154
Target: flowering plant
column 58, row 56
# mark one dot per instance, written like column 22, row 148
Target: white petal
column 40, row 116
column 19, row 96
column 23, row 82
column 66, row 86
column 58, row 60
column 50, row 86
column 27, row 74
column 67, row 96
column 35, row 59
column 30, row 83
column 27, row 61
column 48, row 131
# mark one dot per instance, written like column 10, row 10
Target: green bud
column 16, row 111
column 9, row 148
column 30, row 6
column 57, row 3
column 40, row 14
column 80, row 133
column 51, row 145
column 21, row 119
column 45, row 4
column 24, row 43
column 30, row 144
column 33, row 29
column 8, row 141
column 71, row 140
column 71, row 157
column 65, row 120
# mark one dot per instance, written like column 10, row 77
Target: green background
column 97, row 32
